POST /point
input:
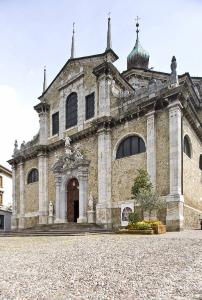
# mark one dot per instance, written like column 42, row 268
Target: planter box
column 159, row 229
column 136, row 231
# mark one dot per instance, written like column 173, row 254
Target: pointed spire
column 72, row 48
column 44, row 79
column 109, row 39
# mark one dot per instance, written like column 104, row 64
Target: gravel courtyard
column 102, row 267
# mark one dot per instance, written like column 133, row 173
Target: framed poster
column 126, row 209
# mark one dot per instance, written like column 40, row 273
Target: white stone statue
column 15, row 146
column 77, row 152
column 50, row 209
column 67, row 141
column 68, row 148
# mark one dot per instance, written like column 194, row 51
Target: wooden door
column 72, row 200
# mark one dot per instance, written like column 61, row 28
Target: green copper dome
column 138, row 57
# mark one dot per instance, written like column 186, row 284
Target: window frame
column 200, row 162
column 187, row 149
column 89, row 112
column 71, row 112
column 130, row 145
column 55, row 131
column 33, row 176
column 1, row 181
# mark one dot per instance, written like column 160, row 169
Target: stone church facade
column 97, row 128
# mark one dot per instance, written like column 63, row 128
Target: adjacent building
column 5, row 198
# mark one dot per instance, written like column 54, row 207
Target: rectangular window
column 1, row 181
column 1, row 198
column 1, row 221
column 55, row 123
column 90, row 106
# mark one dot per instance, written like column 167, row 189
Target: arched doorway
column 72, row 200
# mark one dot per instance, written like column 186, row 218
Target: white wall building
column 5, row 187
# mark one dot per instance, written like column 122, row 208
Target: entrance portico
column 67, row 167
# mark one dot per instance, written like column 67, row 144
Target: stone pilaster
column 43, row 188
column 43, row 111
column 104, row 83
column 83, row 194
column 14, row 204
column 22, row 196
column 175, row 200
column 151, row 147
column 103, row 208
column 81, row 107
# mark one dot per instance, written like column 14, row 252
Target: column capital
column 175, row 104
column 151, row 114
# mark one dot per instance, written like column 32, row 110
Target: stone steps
column 58, row 230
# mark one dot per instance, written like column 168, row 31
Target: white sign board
column 126, row 209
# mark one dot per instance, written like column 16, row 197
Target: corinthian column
column 103, row 208
column 22, row 195
column 151, row 147
column 14, row 204
column 175, row 200
column 58, row 184
column 43, row 188
column 83, row 194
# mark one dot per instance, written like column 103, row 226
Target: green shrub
column 139, row 226
column 134, row 217
column 154, row 223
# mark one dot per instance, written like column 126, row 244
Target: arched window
column 33, row 176
column 187, row 146
column 130, row 146
column 71, row 110
column 200, row 162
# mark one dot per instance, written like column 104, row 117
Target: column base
column 50, row 219
column 104, row 215
column 21, row 223
column 13, row 223
column 60, row 221
column 82, row 220
column 175, row 212
column 91, row 216
column 43, row 220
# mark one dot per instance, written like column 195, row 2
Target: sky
column 37, row 33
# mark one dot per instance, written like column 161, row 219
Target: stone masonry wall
column 124, row 170
column 192, row 177
column 162, row 152
column 31, row 189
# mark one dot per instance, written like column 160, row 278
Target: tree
column 144, row 194
column 141, row 182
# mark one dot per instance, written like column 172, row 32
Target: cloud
column 17, row 121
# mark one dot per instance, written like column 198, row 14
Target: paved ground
column 102, row 267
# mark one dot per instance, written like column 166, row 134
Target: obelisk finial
column 109, row 38
column 72, row 48
column 44, row 79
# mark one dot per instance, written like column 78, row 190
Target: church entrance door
column 72, row 200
